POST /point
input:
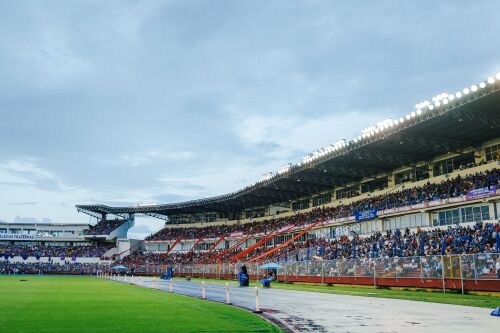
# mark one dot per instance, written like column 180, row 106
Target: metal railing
column 464, row 267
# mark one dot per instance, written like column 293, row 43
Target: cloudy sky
column 125, row 102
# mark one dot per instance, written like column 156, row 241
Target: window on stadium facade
column 346, row 230
column 203, row 246
column 374, row 185
column 404, row 221
column 368, row 227
column 255, row 213
column 347, row 192
column 454, row 163
column 493, row 153
column 460, row 215
column 302, row 204
column 412, row 175
column 322, row 199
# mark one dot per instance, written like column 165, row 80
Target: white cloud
column 154, row 155
column 292, row 135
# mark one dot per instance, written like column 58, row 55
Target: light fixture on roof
column 451, row 97
column 408, row 117
column 466, row 91
column 445, row 101
column 412, row 114
column 431, row 107
column 458, row 94
column 491, row 80
column 419, row 112
column 473, row 87
column 482, row 85
column 437, row 104
column 497, row 76
column 401, row 120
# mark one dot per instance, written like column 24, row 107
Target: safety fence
column 466, row 272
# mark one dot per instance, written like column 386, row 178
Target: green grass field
column 436, row 296
column 60, row 304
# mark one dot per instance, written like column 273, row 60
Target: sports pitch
column 81, row 304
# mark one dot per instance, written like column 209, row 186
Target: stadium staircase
column 216, row 243
column 197, row 241
column 177, row 241
column 111, row 253
column 303, row 232
column 261, row 242
column 223, row 253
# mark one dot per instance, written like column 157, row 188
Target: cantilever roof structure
column 449, row 125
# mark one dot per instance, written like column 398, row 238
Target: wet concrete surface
column 301, row 311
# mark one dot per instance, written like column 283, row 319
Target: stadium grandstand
column 425, row 184
column 59, row 248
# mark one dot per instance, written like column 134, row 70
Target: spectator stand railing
column 459, row 272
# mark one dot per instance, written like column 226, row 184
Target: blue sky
column 125, row 102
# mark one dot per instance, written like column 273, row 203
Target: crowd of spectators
column 449, row 188
column 458, row 239
column 94, row 250
column 104, row 227
column 52, row 268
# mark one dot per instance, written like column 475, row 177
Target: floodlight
column 491, row 80
column 445, row 101
column 419, row 112
column 482, row 85
column 473, row 87
column 497, row 76
column 466, row 91
column 437, row 104
column 408, row 117
column 458, row 94
column 451, row 97
column 401, row 120
column 412, row 114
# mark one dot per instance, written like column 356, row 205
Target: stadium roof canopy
column 451, row 123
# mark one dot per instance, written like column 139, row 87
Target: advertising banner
column 482, row 192
column 365, row 215
column 4, row 236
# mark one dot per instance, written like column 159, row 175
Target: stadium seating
column 25, row 251
column 449, row 188
column 474, row 239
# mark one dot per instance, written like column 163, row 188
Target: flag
column 498, row 241
column 354, row 249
